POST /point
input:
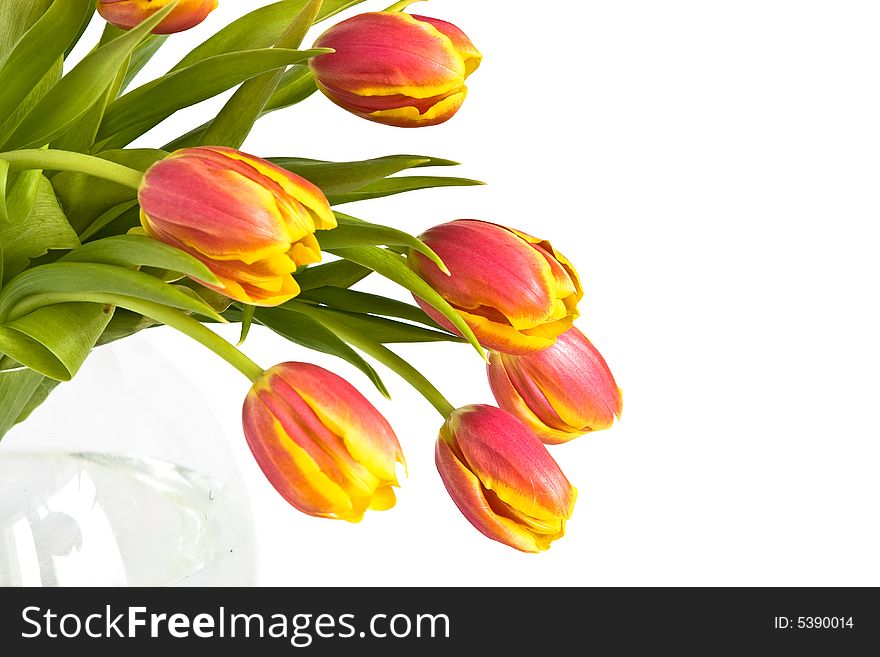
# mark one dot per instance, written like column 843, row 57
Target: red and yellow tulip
column 502, row 478
column 320, row 443
column 395, row 68
column 125, row 14
column 515, row 291
column 562, row 392
column 250, row 222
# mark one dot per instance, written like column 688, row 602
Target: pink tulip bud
column 320, row 443
column 394, row 68
column 562, row 392
column 250, row 222
column 502, row 478
column 125, row 14
column 515, row 291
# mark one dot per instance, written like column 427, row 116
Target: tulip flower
column 125, row 14
column 250, row 222
column 515, row 291
column 396, row 68
column 320, row 443
column 562, row 392
column 502, row 478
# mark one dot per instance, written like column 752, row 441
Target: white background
column 711, row 168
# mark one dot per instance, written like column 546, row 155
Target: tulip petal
column 466, row 492
column 495, row 445
column 413, row 117
column 568, row 387
column 385, row 54
column 288, row 467
column 460, row 41
column 342, row 408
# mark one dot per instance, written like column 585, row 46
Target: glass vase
column 98, row 488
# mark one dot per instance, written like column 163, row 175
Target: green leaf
column 385, row 331
column 4, row 178
column 45, row 229
column 123, row 211
column 247, row 319
column 85, row 198
column 38, row 50
column 16, row 18
column 378, row 351
column 355, row 232
column 82, row 30
column 41, row 394
column 311, row 334
column 391, row 186
column 141, row 251
column 394, row 267
column 75, row 281
column 150, row 104
column 342, row 177
column 19, row 389
column 124, row 324
column 297, row 84
column 364, row 302
column 55, row 340
column 142, row 56
column 21, row 198
column 340, row 273
column 260, row 28
column 234, row 122
column 80, row 89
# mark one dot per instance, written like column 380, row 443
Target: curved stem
column 90, row 165
column 174, row 318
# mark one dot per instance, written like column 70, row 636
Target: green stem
column 172, row 317
column 53, row 160
column 380, row 352
column 403, row 4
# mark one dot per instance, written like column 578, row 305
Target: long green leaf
column 72, row 281
column 378, row 351
column 155, row 101
column 23, row 195
column 364, row 302
column 261, row 28
column 141, row 251
column 36, row 52
column 17, row 389
column 85, row 198
column 141, row 57
column 391, row 186
column 386, row 331
column 341, row 273
column 297, row 84
column 234, row 122
column 393, row 267
column 55, row 340
column 16, row 18
column 4, row 179
column 46, row 229
column 344, row 177
column 311, row 334
column 76, row 92
column 356, row 232
column 82, row 30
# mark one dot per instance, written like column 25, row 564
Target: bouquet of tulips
column 99, row 241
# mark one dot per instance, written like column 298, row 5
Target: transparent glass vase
column 98, row 488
